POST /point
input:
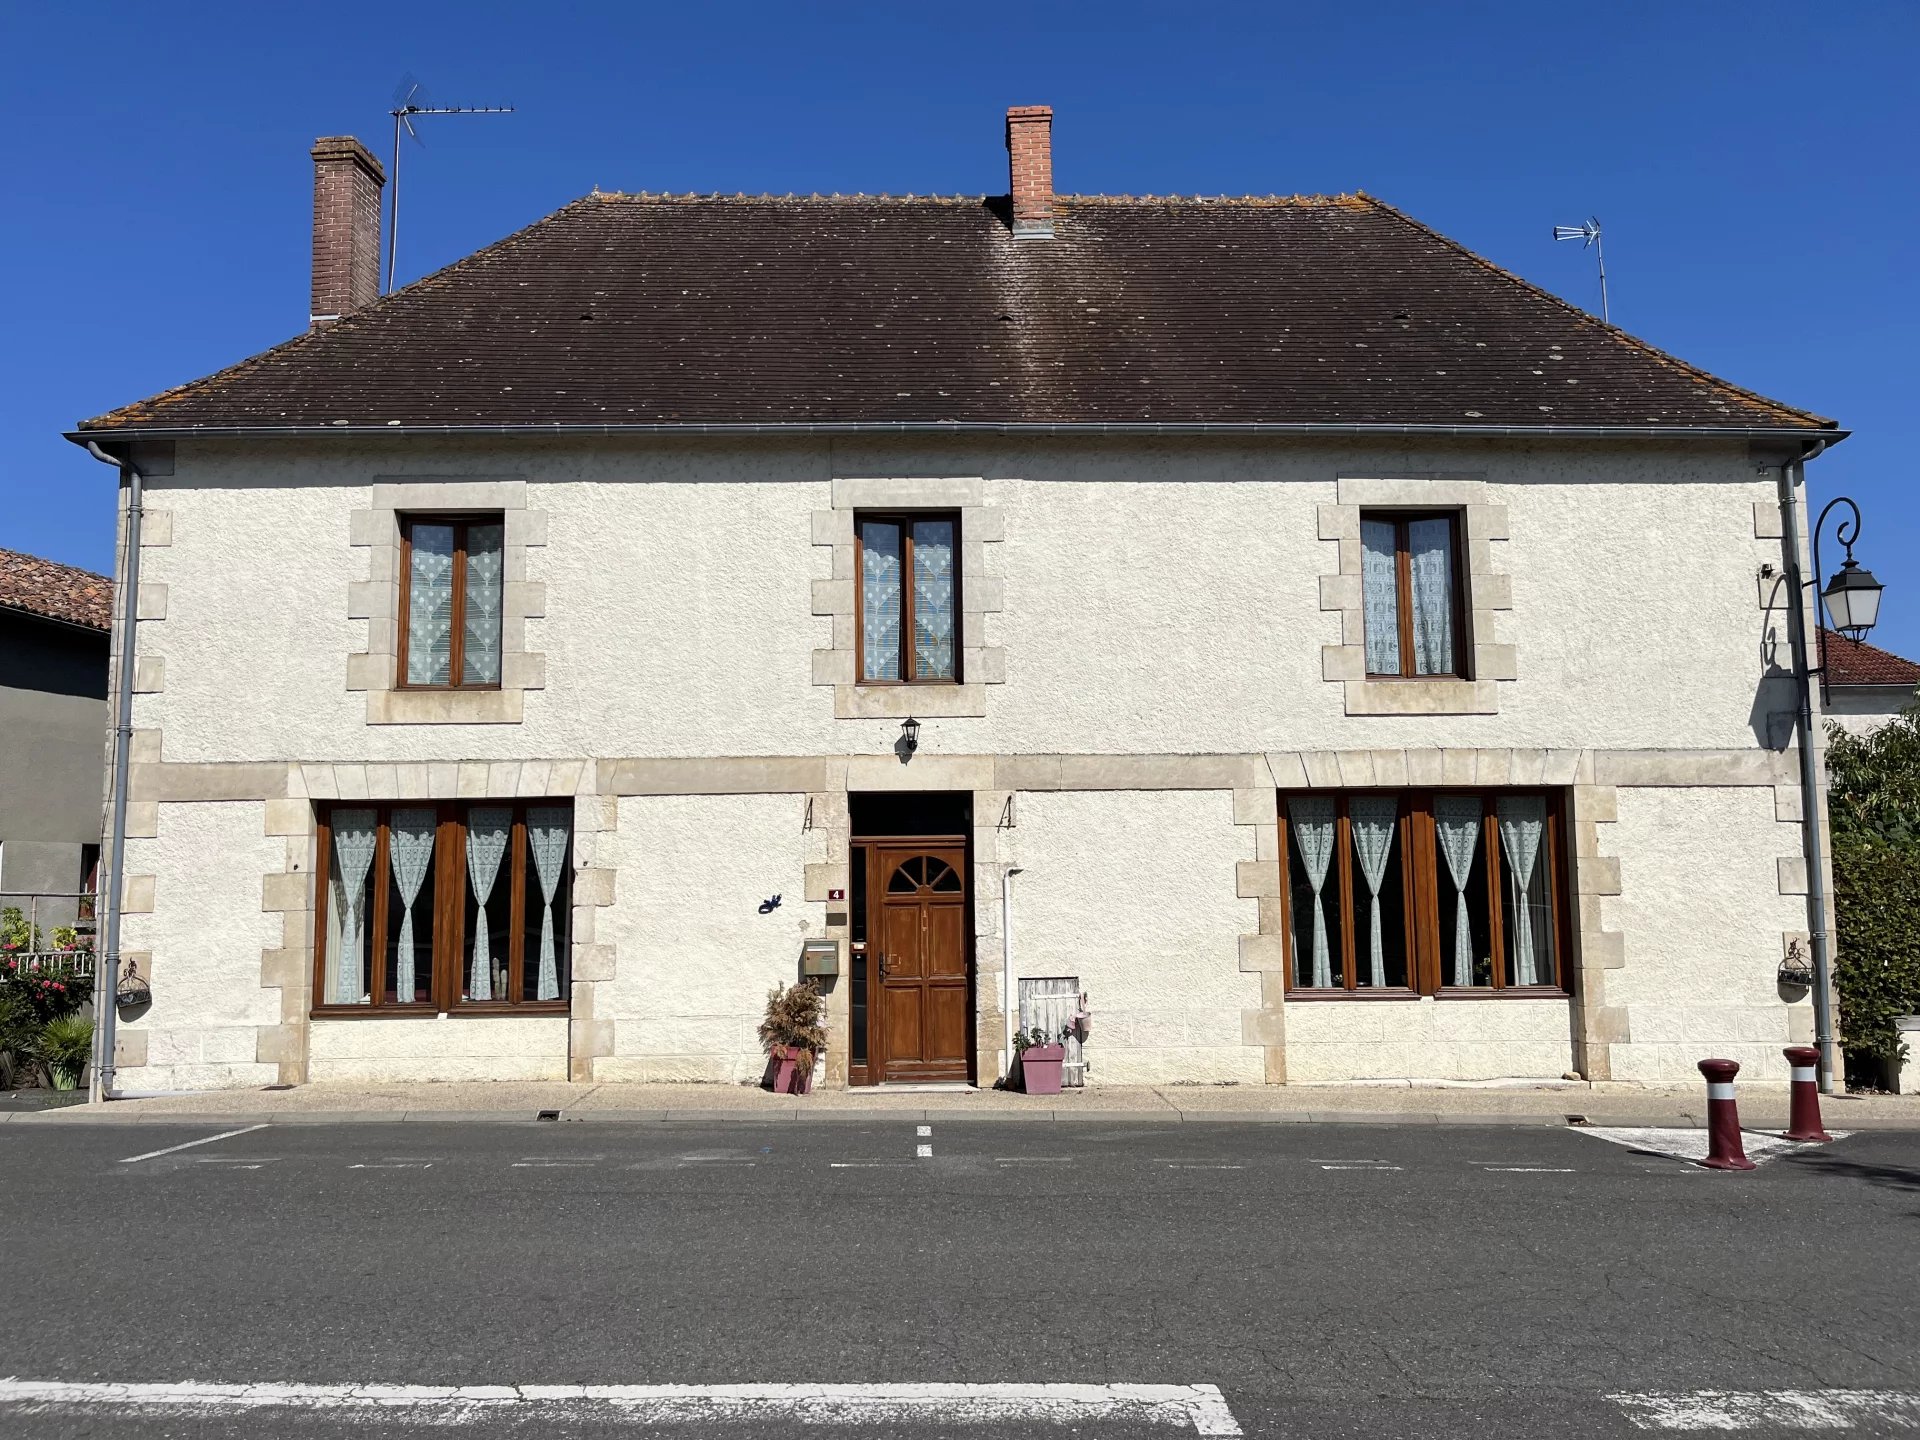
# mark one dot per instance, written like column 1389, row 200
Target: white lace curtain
column 480, row 654
column 355, row 838
column 1313, row 830
column 489, row 827
column 1523, row 821
column 1371, row 818
column 1380, row 596
column 547, row 829
column 410, row 846
column 1430, row 556
column 880, row 600
column 430, row 606
column 1456, row 820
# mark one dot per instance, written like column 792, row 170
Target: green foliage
column 1025, row 1040
column 16, row 933
column 64, row 1045
column 49, row 989
column 1874, row 814
column 794, row 1018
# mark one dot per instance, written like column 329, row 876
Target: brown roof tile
column 55, row 591
column 650, row 310
column 1854, row 662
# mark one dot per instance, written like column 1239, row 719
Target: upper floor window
column 1416, row 892
column 909, row 603
column 451, row 574
column 1410, row 591
column 428, row 908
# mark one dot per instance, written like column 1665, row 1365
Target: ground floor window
column 426, row 908
column 1423, row 892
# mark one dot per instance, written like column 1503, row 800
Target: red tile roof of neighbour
column 1854, row 662
column 648, row 310
column 55, row 591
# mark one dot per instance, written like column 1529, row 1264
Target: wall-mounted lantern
column 910, row 734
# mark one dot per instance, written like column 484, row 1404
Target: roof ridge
column 844, row 197
column 346, row 324
column 1647, row 348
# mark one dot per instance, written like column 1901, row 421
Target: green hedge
column 1877, row 968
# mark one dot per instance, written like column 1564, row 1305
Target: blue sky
column 1753, row 164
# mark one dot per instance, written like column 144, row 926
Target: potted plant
column 65, row 1046
column 793, row 1034
column 1041, row 1057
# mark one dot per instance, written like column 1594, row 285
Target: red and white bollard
column 1803, row 1120
column 1724, row 1150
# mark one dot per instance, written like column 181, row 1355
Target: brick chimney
column 1030, row 153
column 347, row 181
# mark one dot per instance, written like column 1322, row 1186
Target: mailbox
column 819, row 957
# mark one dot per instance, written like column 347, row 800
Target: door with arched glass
column 920, row 962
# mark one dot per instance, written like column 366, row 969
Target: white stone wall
column 696, row 958
column 1700, row 908
column 1155, row 599
column 1132, row 891
column 201, row 920
column 445, row 1048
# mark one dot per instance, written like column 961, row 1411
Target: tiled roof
column 1854, row 662
column 59, row 592
column 690, row 310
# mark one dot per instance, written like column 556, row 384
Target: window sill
column 470, row 1010
column 1438, row 679
column 1422, row 695
column 1385, row 992
column 1449, row 992
column 896, row 700
column 445, row 707
column 449, row 689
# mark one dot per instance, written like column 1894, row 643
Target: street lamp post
column 1850, row 604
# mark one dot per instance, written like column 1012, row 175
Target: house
column 53, row 733
column 1334, row 656
column 1866, row 686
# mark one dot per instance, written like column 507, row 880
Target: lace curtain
column 355, row 838
column 430, row 606
column 1430, row 547
column 933, row 599
column 1371, row 818
column 1523, row 820
column 410, row 844
column 1457, row 824
column 480, row 654
column 1380, row 596
column 880, row 600
column 547, row 828
column 1312, row 817
column 488, row 829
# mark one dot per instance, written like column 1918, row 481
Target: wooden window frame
column 457, row 653
column 1420, row 879
column 1401, row 520
column 905, row 520
column 449, row 915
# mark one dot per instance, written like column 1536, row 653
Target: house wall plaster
column 448, row 1048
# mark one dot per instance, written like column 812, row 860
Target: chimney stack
column 1030, row 153
column 347, row 181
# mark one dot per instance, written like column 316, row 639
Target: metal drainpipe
column 1006, row 972
column 1792, row 479
column 106, row 970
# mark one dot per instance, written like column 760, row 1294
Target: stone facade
column 1157, row 641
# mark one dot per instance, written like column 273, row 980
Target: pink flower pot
column 1040, row 1067
column 781, row 1063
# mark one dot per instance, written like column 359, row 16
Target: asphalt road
column 1331, row 1281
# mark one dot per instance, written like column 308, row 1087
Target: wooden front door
column 917, row 895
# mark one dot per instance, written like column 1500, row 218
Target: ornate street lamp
column 1851, row 600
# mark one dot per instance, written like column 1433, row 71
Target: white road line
column 1184, row 1165
column 924, row 1152
column 1771, row 1409
column 553, row 1164
column 870, row 1165
column 1033, row 1159
column 205, row 1140
column 1199, row 1409
column 1530, row 1169
column 718, row 1160
column 924, row 1130
column 394, row 1165
column 1325, row 1166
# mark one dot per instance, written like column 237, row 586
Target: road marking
column 394, row 1165
column 1530, row 1169
column 870, row 1165
column 1691, row 1145
column 717, row 1160
column 1772, row 1409
column 924, row 1152
column 1362, row 1165
column 1198, row 1165
column 553, row 1164
column 924, row 1130
column 1033, row 1159
column 207, row 1140
column 1200, row 1409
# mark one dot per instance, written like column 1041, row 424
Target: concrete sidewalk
column 1762, row 1106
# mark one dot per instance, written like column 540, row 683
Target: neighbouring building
column 54, row 621
column 1335, row 656
column 1866, row 686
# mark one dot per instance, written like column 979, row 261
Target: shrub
column 794, row 1018
column 16, row 933
column 64, row 1046
column 1874, row 815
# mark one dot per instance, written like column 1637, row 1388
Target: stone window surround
column 838, row 596
column 1483, row 589
column 1254, row 781
column 376, row 600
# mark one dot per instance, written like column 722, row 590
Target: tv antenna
column 1589, row 234
column 409, row 100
